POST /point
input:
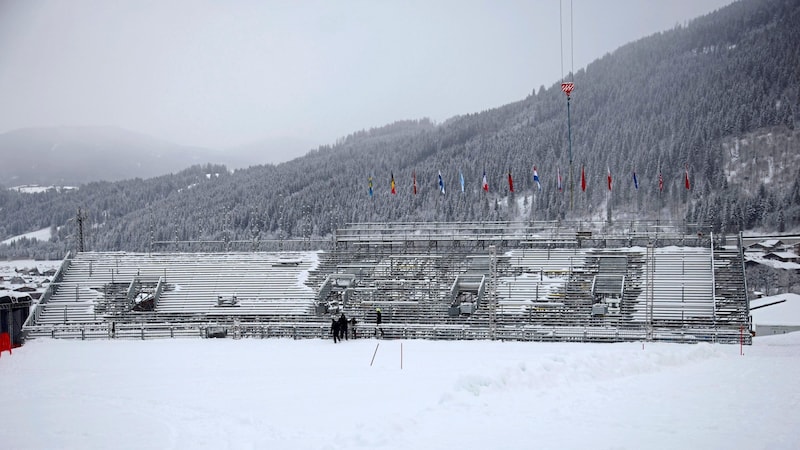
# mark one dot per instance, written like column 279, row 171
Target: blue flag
column 441, row 182
column 635, row 180
column 461, row 175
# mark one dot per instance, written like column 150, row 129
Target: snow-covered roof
column 785, row 255
column 760, row 259
column 786, row 313
column 24, row 296
column 769, row 243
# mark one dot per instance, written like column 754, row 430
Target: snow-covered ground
column 40, row 235
column 784, row 313
column 314, row 394
column 36, row 189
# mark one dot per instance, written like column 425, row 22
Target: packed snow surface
column 314, row 394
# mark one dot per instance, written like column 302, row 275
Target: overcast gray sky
column 227, row 73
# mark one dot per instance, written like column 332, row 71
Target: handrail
column 744, row 277
column 162, row 282
column 131, row 293
column 321, row 330
column 713, row 282
column 32, row 319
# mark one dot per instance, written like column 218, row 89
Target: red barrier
column 5, row 343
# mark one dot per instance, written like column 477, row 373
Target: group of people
column 340, row 326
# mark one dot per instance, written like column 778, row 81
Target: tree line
column 681, row 98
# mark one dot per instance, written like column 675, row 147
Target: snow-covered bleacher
column 428, row 283
column 264, row 285
column 682, row 286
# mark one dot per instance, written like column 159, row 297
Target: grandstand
column 494, row 280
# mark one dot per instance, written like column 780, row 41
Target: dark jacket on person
column 343, row 326
column 335, row 329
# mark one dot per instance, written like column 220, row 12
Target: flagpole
column 638, row 206
column 608, row 198
column 660, row 198
column 569, row 141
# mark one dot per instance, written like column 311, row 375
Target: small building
column 784, row 256
column 767, row 245
column 781, row 316
column 14, row 309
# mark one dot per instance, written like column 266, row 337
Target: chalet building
column 766, row 246
column 783, row 256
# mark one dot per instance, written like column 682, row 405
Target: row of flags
column 536, row 179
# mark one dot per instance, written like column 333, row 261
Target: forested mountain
column 719, row 98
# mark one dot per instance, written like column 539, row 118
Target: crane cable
column 561, row 36
column 571, row 44
column 567, row 87
column 571, row 40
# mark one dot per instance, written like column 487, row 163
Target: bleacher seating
column 266, row 284
column 541, row 289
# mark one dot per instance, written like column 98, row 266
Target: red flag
column 686, row 178
column 560, row 185
column 414, row 177
column 485, row 182
column 510, row 182
column 660, row 182
column 583, row 180
column 609, row 178
column 393, row 189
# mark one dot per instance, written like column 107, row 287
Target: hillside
column 719, row 98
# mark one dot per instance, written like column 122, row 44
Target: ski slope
column 314, row 394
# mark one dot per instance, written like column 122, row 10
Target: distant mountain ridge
column 720, row 97
column 77, row 155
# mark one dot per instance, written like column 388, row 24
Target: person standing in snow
column 353, row 326
column 378, row 321
column 342, row 327
column 335, row 329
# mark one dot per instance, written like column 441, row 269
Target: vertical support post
column 713, row 284
column 651, row 269
column 569, row 143
column 79, row 219
column 741, row 340
column 492, row 291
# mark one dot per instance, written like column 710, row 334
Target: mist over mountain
column 273, row 150
column 77, row 155
column 71, row 156
column 717, row 99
